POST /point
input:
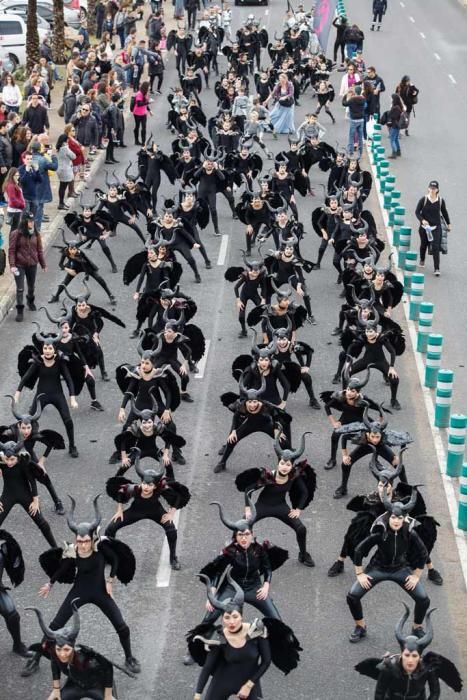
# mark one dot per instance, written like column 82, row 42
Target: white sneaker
column 437, row 273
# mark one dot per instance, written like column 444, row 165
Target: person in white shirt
column 11, row 94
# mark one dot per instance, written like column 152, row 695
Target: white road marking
column 266, row 12
column 437, row 56
column 164, row 570
column 412, row 19
column 202, row 362
column 422, row 35
column 449, row 484
column 452, row 79
column 223, row 250
column 402, row 4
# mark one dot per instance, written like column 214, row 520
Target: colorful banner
column 324, row 13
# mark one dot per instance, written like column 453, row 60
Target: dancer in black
column 173, row 232
column 169, row 343
column 27, row 431
column 75, row 262
column 145, row 502
column 157, row 162
column 20, row 487
column 250, row 285
column 369, row 435
column 264, row 368
column 92, row 227
column 44, row 365
column 252, row 414
column 296, row 372
column 88, row 674
column 297, row 479
column 11, row 562
column 83, row 565
column 409, row 672
column 116, row 206
column 400, row 557
column 210, row 180
column 193, row 212
column 239, row 654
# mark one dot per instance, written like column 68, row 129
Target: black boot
column 19, row 313
column 13, row 626
column 31, row 304
column 31, row 666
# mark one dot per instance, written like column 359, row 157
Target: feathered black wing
column 196, row 647
column 397, row 437
column 176, row 493
column 369, row 667
column 428, row 531
column 113, row 486
column 358, row 529
column 397, row 289
column 255, row 315
column 76, row 369
column 356, row 504
column 277, row 555
column 215, row 567
column 197, row 341
column 133, row 267
column 228, row 398
column 122, row 379
column 25, row 358
column 51, row 561
column 14, row 562
column 301, row 183
column 308, row 477
column 315, row 216
column 299, row 316
column 232, row 274
column 293, row 375
column 285, row 647
column 349, row 428
column 50, row 438
column 239, row 365
column 445, row 670
column 247, row 478
column 126, row 559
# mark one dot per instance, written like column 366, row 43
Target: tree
column 91, row 17
column 58, row 46
column 32, row 36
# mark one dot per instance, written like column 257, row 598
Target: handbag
column 403, row 121
column 2, row 261
column 444, row 236
column 61, row 110
column 286, row 101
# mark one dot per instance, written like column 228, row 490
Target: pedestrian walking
column 25, row 253
column 434, row 221
column 140, row 113
column 283, row 112
column 340, row 23
column 379, row 9
column 355, row 102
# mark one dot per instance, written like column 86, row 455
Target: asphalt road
column 310, row 602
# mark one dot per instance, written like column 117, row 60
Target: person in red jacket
column 25, row 252
column 79, row 161
column 14, row 197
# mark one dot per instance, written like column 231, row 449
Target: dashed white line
column 422, row 35
column 202, row 363
column 266, row 12
column 223, row 250
column 452, row 79
column 402, row 4
column 412, row 19
column 437, row 56
column 164, row 569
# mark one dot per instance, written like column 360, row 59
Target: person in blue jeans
column 355, row 102
column 45, row 163
column 393, row 120
column 30, row 179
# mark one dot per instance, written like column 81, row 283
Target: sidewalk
column 50, row 228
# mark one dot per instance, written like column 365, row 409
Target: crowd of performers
column 214, row 155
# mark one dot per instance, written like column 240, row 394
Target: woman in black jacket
column 433, row 215
column 393, row 124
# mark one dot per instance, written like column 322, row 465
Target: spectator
column 46, row 73
column 100, row 16
column 70, row 103
column 140, row 113
column 81, row 44
column 14, row 121
column 102, row 98
column 392, row 121
column 355, row 101
column 65, row 158
column 14, row 197
column 87, row 132
column 154, row 26
column 433, row 216
column 35, row 116
column 121, row 21
column 378, row 86
column 20, row 142
column 46, row 162
column 353, row 40
column 79, row 153
column 37, row 86
column 350, row 79
column 409, row 95
column 108, row 25
column 46, row 50
column 138, row 59
column 155, row 66
column 340, row 23
column 6, row 156
column 29, row 179
column 110, row 120
column 24, row 254
column 11, row 94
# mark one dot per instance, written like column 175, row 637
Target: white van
column 13, row 36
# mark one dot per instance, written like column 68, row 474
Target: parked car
column 45, row 10
column 13, row 36
column 6, row 64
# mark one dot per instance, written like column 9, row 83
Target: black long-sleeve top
column 246, row 288
column 432, row 211
column 90, row 571
column 147, row 506
column 394, row 550
column 134, row 437
column 13, row 433
column 19, row 481
column 145, row 390
column 253, row 378
column 248, row 565
column 274, row 494
column 153, row 276
column 350, row 413
column 373, row 352
column 88, row 670
column 395, row 684
column 49, row 378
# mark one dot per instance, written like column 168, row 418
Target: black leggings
column 29, row 272
column 160, row 80
column 248, row 428
column 358, row 453
column 59, row 401
column 383, row 367
column 256, row 300
column 356, row 593
column 11, row 616
column 62, row 187
column 339, row 45
column 433, row 247
column 378, row 17
column 24, row 500
column 131, row 516
column 95, row 276
column 106, row 605
column 265, row 607
column 140, row 123
column 70, row 691
column 281, row 512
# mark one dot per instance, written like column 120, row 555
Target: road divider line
column 422, row 35
column 452, row 79
column 223, row 250
column 402, row 4
column 164, row 569
column 450, row 489
column 412, row 19
column 202, row 363
column 437, row 56
column 266, row 12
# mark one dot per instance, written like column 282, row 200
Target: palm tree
column 32, row 36
column 58, row 45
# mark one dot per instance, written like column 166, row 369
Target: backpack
column 132, row 103
column 403, row 121
column 414, row 97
